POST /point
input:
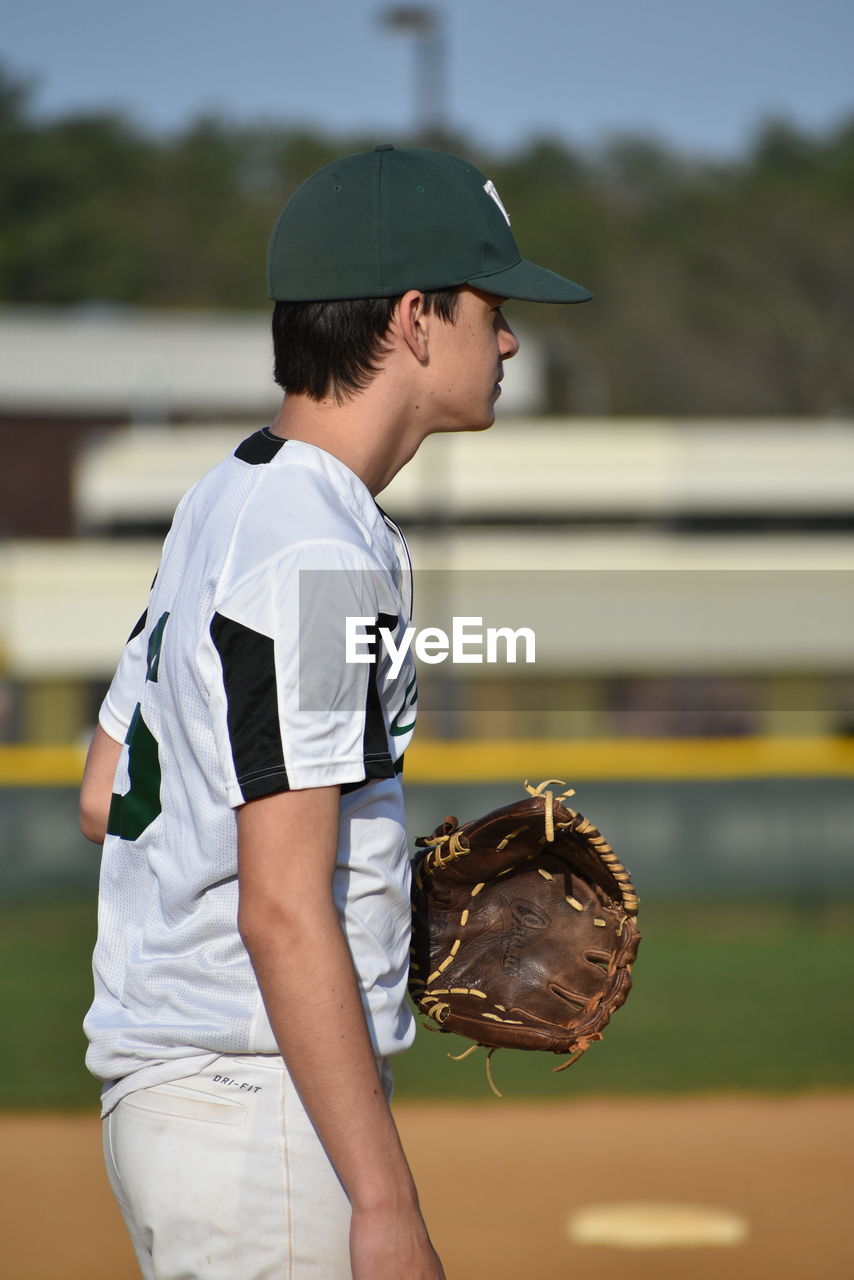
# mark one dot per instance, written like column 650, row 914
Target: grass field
column 727, row 997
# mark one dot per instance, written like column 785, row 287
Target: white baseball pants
column 221, row 1176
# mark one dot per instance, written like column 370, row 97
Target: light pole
column 425, row 23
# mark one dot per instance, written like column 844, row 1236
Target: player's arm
column 97, row 788
column 287, row 845
column 96, row 791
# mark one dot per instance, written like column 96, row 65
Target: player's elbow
column 92, row 816
column 96, row 791
column 268, row 924
column 260, row 923
column 93, row 820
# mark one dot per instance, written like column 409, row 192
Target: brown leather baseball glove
column 524, row 928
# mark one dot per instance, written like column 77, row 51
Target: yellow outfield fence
column 477, row 761
column 38, row 766
column 620, row 759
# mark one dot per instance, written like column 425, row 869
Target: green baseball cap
column 376, row 224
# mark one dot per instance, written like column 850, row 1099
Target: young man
column 251, row 962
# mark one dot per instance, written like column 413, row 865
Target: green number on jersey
column 131, row 813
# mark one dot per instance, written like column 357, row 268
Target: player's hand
column 386, row 1246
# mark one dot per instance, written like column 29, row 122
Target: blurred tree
column 721, row 288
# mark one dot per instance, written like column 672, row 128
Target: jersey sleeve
column 123, row 694
column 303, row 693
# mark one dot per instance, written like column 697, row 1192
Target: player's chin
column 480, row 419
column 486, row 419
column 480, row 425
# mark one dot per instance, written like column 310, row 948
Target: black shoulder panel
column 259, row 448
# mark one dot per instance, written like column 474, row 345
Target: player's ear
column 412, row 321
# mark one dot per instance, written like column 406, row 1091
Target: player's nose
column 508, row 343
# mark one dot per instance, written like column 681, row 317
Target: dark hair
column 335, row 348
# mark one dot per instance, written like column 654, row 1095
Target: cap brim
column 530, row 283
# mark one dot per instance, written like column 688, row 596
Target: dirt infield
column 499, row 1181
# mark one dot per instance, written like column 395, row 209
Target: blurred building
column 69, row 378
column 682, row 577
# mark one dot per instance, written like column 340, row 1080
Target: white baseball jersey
column 236, row 684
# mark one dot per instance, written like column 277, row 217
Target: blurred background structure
column 425, row 23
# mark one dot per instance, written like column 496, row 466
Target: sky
column 701, row 76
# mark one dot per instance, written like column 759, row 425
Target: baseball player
column 254, row 918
